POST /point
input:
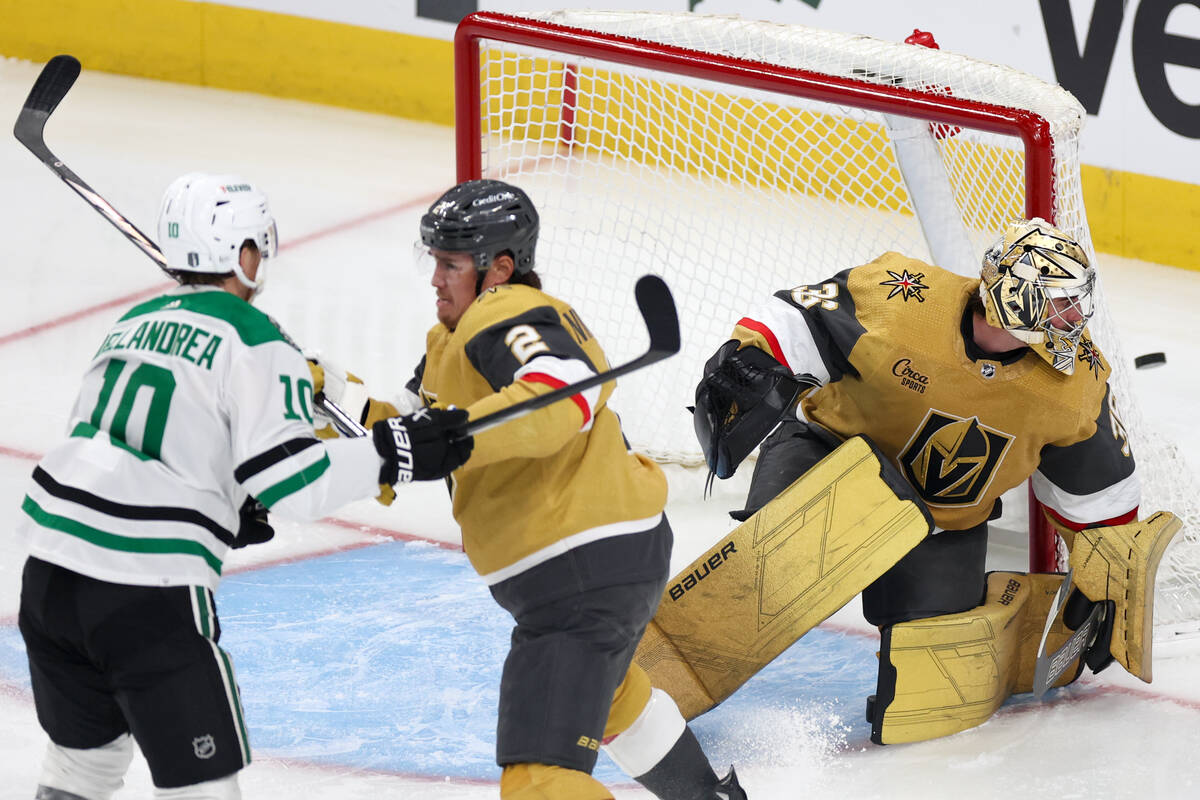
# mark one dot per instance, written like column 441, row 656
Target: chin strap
column 255, row 287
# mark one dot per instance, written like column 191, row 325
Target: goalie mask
column 484, row 218
column 205, row 219
column 1037, row 284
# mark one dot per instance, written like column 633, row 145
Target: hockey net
column 736, row 158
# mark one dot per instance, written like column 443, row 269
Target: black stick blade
column 51, row 86
column 658, row 310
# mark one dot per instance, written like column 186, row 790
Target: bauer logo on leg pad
column 701, row 572
column 403, row 445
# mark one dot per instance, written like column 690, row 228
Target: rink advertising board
column 1133, row 64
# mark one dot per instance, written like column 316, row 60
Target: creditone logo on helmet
column 493, row 198
column 485, row 218
column 237, row 187
column 951, row 460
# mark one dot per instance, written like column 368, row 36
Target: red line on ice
column 299, row 241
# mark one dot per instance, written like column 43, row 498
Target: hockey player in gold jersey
column 967, row 388
column 559, row 517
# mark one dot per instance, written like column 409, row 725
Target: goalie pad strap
column 790, row 566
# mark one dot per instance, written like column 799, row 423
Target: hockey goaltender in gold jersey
column 911, row 399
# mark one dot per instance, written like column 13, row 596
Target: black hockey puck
column 1150, row 360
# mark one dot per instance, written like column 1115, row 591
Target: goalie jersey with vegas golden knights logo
column 550, row 481
column 193, row 401
column 891, row 342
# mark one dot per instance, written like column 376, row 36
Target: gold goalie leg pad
column 1119, row 563
column 942, row 675
column 795, row 562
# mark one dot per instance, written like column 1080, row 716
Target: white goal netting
column 736, row 158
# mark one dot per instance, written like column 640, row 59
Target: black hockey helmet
column 484, row 218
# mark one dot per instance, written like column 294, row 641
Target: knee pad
column 545, row 782
column 651, row 736
column 221, row 789
column 94, row 773
column 944, row 574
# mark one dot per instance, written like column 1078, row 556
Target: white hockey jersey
column 194, row 401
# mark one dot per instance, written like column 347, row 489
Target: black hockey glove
column 1099, row 652
column 253, row 527
column 422, row 446
column 743, row 396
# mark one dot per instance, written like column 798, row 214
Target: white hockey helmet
column 1038, row 284
column 205, row 219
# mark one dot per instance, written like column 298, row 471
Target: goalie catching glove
column 743, row 396
column 422, row 446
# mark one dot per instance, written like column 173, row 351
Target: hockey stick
column 1050, row 667
column 51, row 86
column 56, row 79
column 662, row 324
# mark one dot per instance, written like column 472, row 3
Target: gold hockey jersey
column 891, row 342
column 557, row 478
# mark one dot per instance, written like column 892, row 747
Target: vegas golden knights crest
column 952, row 460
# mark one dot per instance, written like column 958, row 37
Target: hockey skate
column 728, row 787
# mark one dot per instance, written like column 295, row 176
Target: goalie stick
column 1050, row 666
column 56, row 79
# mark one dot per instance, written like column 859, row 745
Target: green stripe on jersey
column 113, row 541
column 304, row 477
column 252, row 326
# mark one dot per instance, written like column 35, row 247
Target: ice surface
column 367, row 650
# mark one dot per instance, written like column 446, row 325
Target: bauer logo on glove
column 423, row 446
column 403, row 446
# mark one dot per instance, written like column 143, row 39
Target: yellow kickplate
column 777, row 575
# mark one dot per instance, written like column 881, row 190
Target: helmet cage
column 1039, row 286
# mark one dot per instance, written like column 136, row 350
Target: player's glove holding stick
column 423, row 446
column 253, row 527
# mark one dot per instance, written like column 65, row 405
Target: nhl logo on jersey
column 987, row 369
column 204, row 747
column 951, row 460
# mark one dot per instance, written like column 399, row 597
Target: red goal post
column 667, row 142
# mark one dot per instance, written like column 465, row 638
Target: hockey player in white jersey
column 195, row 418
